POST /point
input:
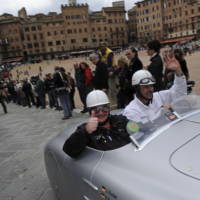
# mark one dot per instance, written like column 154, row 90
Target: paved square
column 23, row 134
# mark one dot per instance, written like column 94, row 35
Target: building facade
column 132, row 25
column 49, row 36
column 180, row 18
column 166, row 20
column 11, row 44
column 149, row 20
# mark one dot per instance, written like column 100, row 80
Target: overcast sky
column 45, row 6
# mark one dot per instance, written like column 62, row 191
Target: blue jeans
column 63, row 95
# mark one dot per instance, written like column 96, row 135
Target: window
column 58, row 42
column 69, row 31
column 34, row 36
column 50, row 43
column 73, row 41
column 36, row 44
column 48, row 33
column 41, row 36
column 39, row 28
column 28, row 37
column 33, row 28
column 85, row 40
column 94, row 40
column 29, row 46
column 27, row 29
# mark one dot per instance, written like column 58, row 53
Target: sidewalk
column 23, row 135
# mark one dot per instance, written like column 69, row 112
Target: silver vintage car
column 161, row 163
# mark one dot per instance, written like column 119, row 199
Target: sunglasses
column 98, row 109
column 147, row 81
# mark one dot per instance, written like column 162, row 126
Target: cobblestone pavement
column 23, row 135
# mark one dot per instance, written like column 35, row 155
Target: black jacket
column 27, row 89
column 58, row 81
column 184, row 68
column 101, row 139
column 100, row 80
column 134, row 65
column 49, row 84
column 156, row 69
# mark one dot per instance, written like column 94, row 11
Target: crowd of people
column 110, row 75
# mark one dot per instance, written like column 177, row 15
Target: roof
column 114, row 9
column 17, row 59
column 178, row 39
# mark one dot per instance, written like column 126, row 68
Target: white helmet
column 96, row 98
column 142, row 77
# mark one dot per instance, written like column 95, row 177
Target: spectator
column 156, row 66
column 125, row 94
column 2, row 96
column 12, row 91
column 50, row 90
column 100, row 80
column 40, row 89
column 87, row 85
column 27, row 89
column 62, row 88
column 135, row 64
column 80, row 79
column 107, row 57
column 72, row 89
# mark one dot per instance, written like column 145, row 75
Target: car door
column 76, row 174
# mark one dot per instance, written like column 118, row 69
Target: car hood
column 185, row 159
column 166, row 168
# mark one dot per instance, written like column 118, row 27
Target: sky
column 45, row 6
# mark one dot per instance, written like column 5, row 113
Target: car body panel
column 185, row 159
column 68, row 177
column 194, row 118
column 148, row 174
column 167, row 168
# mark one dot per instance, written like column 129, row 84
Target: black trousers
column 3, row 105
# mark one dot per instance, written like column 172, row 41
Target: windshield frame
column 163, row 128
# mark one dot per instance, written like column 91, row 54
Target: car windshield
column 142, row 134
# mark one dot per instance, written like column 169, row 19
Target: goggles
column 147, row 81
column 98, row 109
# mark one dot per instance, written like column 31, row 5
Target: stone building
column 77, row 27
column 55, row 35
column 132, row 24
column 149, row 20
column 166, row 20
column 11, row 44
column 180, row 19
column 116, row 25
